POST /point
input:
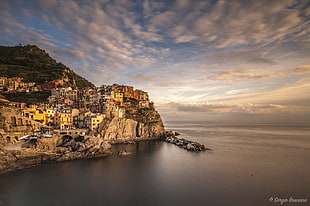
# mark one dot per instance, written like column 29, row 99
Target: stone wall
column 13, row 125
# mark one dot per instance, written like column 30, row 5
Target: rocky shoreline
column 184, row 143
column 46, row 151
column 43, row 151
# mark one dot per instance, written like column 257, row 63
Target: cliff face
column 140, row 124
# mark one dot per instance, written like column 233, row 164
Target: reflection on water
column 248, row 165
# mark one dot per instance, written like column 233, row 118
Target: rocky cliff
column 137, row 124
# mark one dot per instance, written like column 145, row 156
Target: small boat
column 48, row 135
column 26, row 137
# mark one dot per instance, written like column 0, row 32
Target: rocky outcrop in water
column 90, row 147
column 185, row 144
column 123, row 152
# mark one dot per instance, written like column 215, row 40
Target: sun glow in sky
column 231, row 60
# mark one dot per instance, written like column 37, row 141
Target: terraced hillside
column 35, row 65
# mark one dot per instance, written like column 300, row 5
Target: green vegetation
column 29, row 98
column 35, row 65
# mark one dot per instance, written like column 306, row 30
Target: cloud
column 250, row 74
column 234, row 112
column 95, row 31
column 231, row 23
column 302, row 69
column 252, row 55
column 144, row 77
column 291, row 94
column 228, row 108
column 127, row 37
column 241, row 75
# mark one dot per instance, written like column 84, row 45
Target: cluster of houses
column 10, row 85
column 16, row 84
column 69, row 108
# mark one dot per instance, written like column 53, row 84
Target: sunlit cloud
column 250, row 74
column 224, row 108
column 144, row 77
column 234, row 112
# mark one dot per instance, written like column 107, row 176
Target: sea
column 250, row 164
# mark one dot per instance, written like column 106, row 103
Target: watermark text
column 282, row 201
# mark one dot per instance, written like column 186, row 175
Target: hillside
column 35, row 65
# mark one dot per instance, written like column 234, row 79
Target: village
column 79, row 110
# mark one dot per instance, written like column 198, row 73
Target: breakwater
column 184, row 143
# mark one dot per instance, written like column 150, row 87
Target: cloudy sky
column 225, row 60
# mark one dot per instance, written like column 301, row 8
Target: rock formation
column 140, row 124
column 184, row 143
column 48, row 150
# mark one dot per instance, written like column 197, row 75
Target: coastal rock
column 122, row 152
column 52, row 150
column 183, row 143
column 119, row 128
column 124, row 129
column 63, row 150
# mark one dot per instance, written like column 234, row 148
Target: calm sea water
column 249, row 165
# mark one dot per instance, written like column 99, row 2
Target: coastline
column 14, row 160
column 48, row 151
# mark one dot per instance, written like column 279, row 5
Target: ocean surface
column 250, row 165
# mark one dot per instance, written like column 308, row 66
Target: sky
column 225, row 60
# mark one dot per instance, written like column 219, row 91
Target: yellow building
column 94, row 121
column 50, row 113
column 64, row 119
column 36, row 114
column 40, row 116
column 117, row 96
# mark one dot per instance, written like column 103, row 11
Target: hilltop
column 35, row 65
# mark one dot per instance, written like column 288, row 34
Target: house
column 64, row 119
column 117, row 95
column 94, row 120
column 49, row 85
column 50, row 113
column 80, row 120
